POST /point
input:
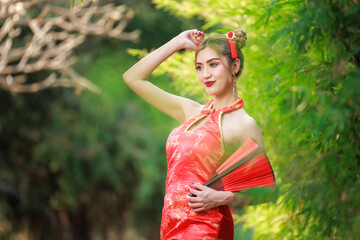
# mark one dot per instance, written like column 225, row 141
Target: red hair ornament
column 230, row 36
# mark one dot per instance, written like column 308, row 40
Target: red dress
column 193, row 155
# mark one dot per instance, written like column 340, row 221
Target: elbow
column 125, row 77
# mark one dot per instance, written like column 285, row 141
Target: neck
column 225, row 100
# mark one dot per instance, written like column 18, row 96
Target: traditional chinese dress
column 193, row 154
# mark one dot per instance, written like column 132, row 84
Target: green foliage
column 176, row 67
column 82, row 164
column 146, row 126
column 74, row 2
column 65, row 165
column 300, row 83
column 76, row 167
column 71, row 166
column 156, row 26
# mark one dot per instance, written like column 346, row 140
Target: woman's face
column 213, row 72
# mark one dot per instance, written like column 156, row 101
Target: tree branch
column 46, row 42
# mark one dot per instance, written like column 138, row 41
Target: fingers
column 199, row 190
column 190, row 39
column 199, row 186
column 197, row 207
column 195, row 192
column 198, row 36
column 197, row 33
column 201, row 200
column 195, row 204
column 193, row 199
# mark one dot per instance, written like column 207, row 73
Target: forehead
column 207, row 54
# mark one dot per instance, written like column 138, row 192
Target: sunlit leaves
column 74, row 2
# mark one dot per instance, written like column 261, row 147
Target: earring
column 234, row 88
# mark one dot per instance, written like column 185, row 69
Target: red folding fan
column 248, row 167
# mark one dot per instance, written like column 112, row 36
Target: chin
column 210, row 92
column 213, row 92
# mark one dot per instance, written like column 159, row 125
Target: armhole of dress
column 195, row 121
column 221, row 132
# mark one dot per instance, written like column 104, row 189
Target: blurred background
column 83, row 158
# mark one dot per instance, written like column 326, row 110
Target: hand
column 206, row 198
column 190, row 39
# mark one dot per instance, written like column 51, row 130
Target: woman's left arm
column 209, row 198
column 206, row 198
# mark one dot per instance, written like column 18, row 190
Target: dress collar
column 236, row 105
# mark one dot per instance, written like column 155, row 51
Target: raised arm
column 176, row 107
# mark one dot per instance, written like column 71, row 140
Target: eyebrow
column 212, row 59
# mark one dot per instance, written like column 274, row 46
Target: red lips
column 209, row 83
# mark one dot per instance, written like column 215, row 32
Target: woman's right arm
column 176, row 107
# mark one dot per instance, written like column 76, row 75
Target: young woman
column 207, row 134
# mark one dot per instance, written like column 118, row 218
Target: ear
column 235, row 66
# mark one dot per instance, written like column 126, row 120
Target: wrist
column 177, row 42
column 229, row 198
column 225, row 198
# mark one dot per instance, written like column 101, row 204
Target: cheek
column 221, row 70
column 198, row 74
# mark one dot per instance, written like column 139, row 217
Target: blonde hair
column 221, row 45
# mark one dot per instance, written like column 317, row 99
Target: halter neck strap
column 236, row 105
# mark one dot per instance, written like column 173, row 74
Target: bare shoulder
column 238, row 126
column 240, row 122
column 191, row 108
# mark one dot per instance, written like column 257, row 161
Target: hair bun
column 240, row 37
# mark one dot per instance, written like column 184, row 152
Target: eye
column 198, row 68
column 213, row 64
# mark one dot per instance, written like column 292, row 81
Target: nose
column 206, row 73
